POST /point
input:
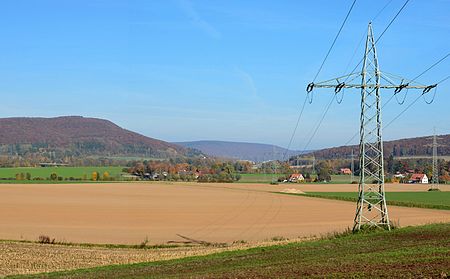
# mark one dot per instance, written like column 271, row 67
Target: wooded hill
column 420, row 146
column 71, row 136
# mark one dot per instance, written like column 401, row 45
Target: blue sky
column 226, row 70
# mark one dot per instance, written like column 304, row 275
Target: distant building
column 296, row 177
column 346, row 171
column 419, row 178
column 44, row 165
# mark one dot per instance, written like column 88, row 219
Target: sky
column 183, row 70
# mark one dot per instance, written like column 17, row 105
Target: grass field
column 66, row 172
column 267, row 178
column 411, row 252
column 436, row 200
column 258, row 177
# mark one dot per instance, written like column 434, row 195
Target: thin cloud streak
column 188, row 8
column 250, row 83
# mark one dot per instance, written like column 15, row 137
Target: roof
column 417, row 176
column 296, row 175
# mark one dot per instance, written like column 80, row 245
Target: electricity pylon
column 352, row 167
column 435, row 178
column 371, row 209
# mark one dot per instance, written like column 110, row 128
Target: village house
column 346, row 171
column 296, row 177
column 419, row 178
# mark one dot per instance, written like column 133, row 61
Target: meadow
column 433, row 199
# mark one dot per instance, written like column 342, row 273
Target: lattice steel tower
column 435, row 178
column 371, row 207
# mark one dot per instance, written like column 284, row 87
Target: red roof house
column 346, row 171
column 419, row 178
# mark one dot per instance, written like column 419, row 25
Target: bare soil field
column 128, row 213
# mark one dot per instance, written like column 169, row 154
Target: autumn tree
column 106, row 176
column 95, row 176
column 324, row 172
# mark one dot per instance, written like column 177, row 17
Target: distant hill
column 420, row 146
column 69, row 136
column 256, row 152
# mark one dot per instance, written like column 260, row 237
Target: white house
column 419, row 178
column 296, row 177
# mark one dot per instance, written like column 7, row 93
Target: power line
column 392, row 21
column 384, row 31
column 319, row 123
column 429, row 68
column 354, row 53
column 320, row 69
column 423, row 93
column 443, row 80
column 334, row 41
column 364, row 35
column 359, row 44
column 295, row 129
column 403, row 111
column 382, row 9
column 432, row 66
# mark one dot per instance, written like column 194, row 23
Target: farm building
column 419, row 178
column 45, row 165
column 296, row 177
column 346, row 171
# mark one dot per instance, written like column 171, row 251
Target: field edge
column 339, row 239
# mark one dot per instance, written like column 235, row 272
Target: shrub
column 106, row 176
column 53, row 176
column 144, row 243
column 45, row 239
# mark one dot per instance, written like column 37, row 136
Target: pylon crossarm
column 395, row 82
column 395, row 79
column 381, row 86
column 339, row 79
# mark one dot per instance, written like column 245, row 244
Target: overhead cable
column 335, row 39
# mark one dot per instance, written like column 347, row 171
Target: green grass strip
column 433, row 200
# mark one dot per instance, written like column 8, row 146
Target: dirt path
column 129, row 212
